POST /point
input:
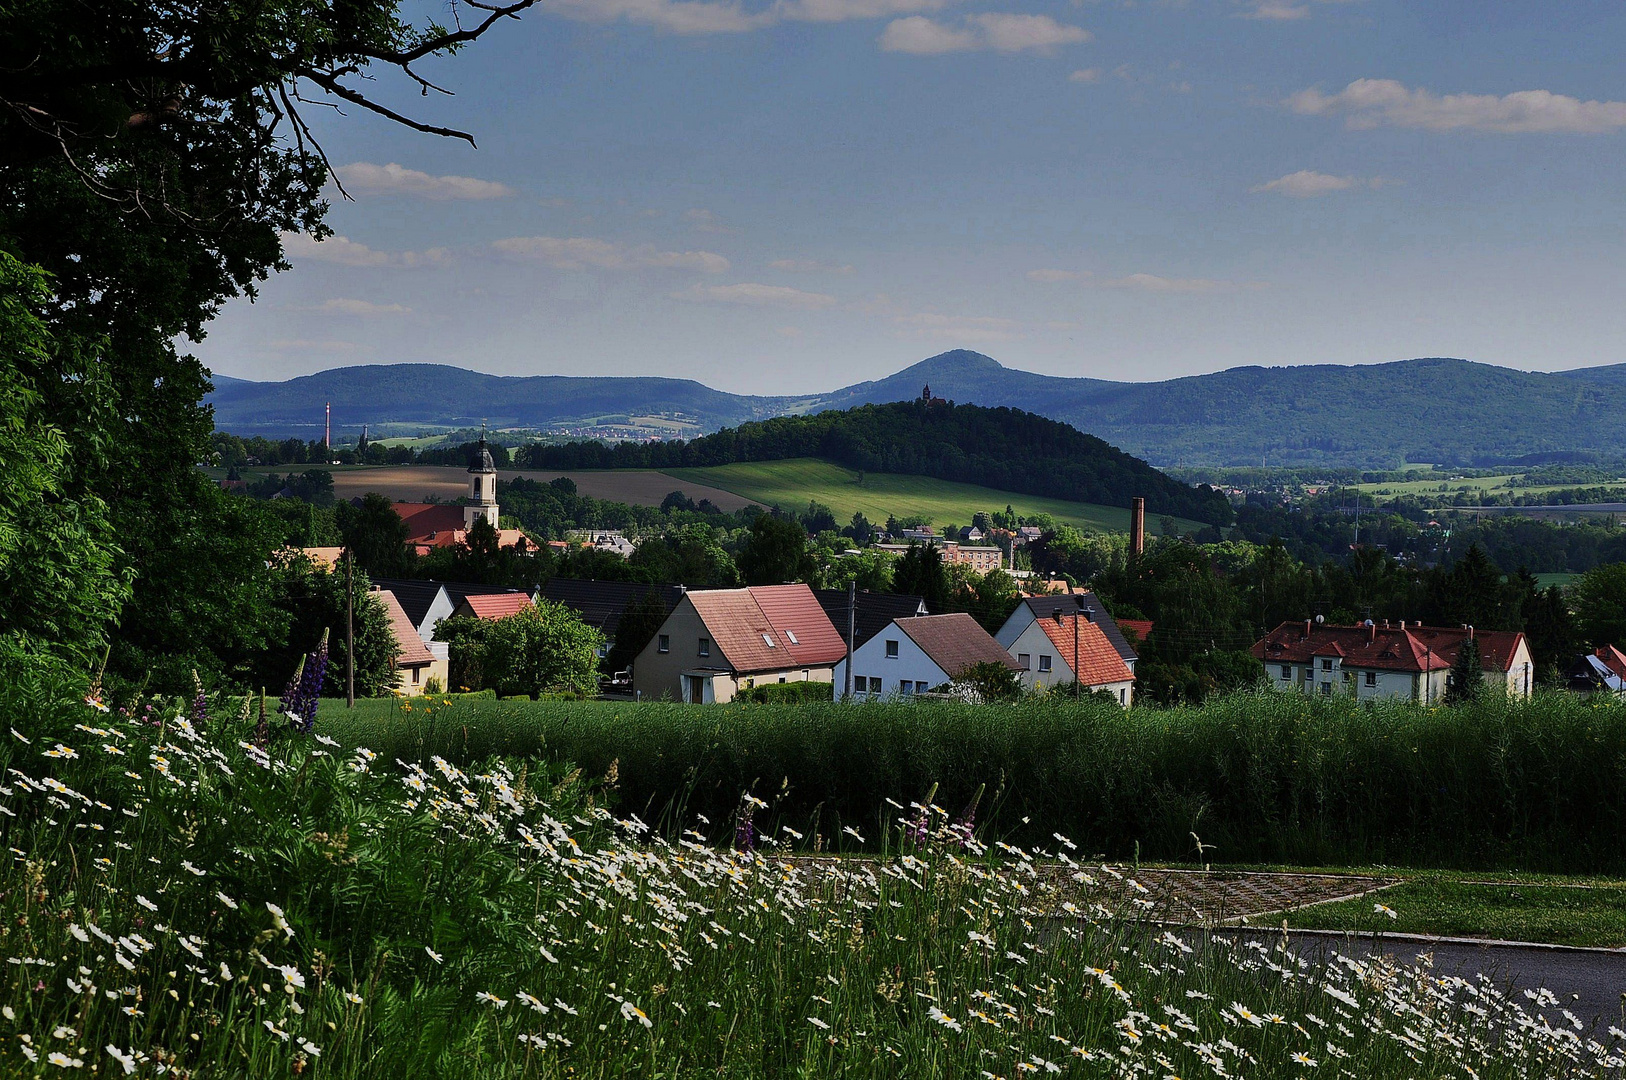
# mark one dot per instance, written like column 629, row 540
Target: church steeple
column 482, row 505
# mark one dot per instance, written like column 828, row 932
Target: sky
column 787, row 196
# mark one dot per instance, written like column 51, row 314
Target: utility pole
column 852, row 620
column 349, row 630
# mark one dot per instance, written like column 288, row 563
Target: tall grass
column 1260, row 777
column 183, row 901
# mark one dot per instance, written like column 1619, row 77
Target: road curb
column 1425, row 939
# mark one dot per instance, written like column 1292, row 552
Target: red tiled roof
column 426, row 519
column 1389, row 648
column 1142, row 629
column 752, row 627
column 954, row 642
column 1612, row 658
column 496, row 605
column 1098, row 661
column 414, row 653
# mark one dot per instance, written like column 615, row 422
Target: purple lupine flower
column 200, row 709
column 745, row 832
column 310, row 687
column 289, row 703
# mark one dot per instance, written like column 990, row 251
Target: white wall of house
column 1376, row 684
column 439, row 608
column 1041, row 663
column 890, row 665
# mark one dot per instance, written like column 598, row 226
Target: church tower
column 482, row 504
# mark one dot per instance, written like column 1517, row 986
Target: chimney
column 1371, row 631
column 1470, row 633
column 1306, row 627
column 1137, row 527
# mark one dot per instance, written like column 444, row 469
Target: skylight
column 768, row 641
column 792, row 635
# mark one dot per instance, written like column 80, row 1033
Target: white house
column 1033, row 608
column 1052, row 652
column 1404, row 660
column 915, row 655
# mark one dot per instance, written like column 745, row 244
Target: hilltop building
column 433, row 525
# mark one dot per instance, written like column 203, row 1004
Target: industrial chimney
column 1137, row 527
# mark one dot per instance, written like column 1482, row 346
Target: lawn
column 790, row 484
column 1557, row 914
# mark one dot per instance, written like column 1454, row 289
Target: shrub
column 789, row 693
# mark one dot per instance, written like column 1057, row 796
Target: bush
column 789, row 693
column 544, row 649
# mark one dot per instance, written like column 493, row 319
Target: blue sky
column 784, row 196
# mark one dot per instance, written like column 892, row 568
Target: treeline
column 232, row 451
column 1000, row 448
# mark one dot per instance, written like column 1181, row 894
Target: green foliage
column 544, row 649
column 638, row 623
column 1599, row 602
column 990, row 681
column 1268, row 777
column 788, row 693
column 776, row 552
column 60, row 587
column 313, row 599
column 920, row 572
column 376, row 535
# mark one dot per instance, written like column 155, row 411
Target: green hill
column 790, row 484
column 1004, row 449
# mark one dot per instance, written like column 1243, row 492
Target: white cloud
column 1370, row 103
column 343, row 305
column 343, row 251
column 362, row 177
column 1280, row 10
column 1057, row 275
column 582, row 252
column 1085, row 75
column 706, row 221
column 730, row 17
column 1307, row 183
column 809, row 266
column 754, row 294
column 928, row 324
column 1154, row 283
column 1005, row 32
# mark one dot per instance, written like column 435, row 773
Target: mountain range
column 1440, row 410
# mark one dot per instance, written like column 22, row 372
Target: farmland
column 790, row 484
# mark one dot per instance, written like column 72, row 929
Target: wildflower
column 67, row 753
column 852, row 832
column 433, row 955
column 63, row 1061
column 534, row 1003
column 491, row 999
column 820, row 1024
column 1242, row 1011
column 127, row 1061
column 945, row 1019
column 354, row 999
column 144, row 902
column 629, row 1011
column 1304, row 1059
column 275, row 1030
column 310, row 1048
column 78, row 932
column 225, row 972
column 278, row 920
column 228, row 901
column 549, row 957
column 1380, row 909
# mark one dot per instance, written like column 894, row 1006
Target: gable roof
column 1612, row 658
column 415, row 597
column 495, row 605
column 1135, row 631
column 1043, row 607
column 414, row 653
column 1399, row 647
column 872, row 613
column 426, row 519
column 954, row 642
column 602, row 603
column 753, row 628
column 1099, row 662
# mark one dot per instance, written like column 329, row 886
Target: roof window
column 792, row 635
column 768, row 641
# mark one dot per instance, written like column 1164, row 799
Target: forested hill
column 999, row 448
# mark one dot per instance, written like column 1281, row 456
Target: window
column 1123, row 697
column 892, row 650
column 1371, row 678
column 1044, row 661
column 770, row 642
column 1326, row 665
column 792, row 635
column 781, row 678
column 906, row 686
column 705, row 646
column 663, row 643
column 874, row 685
column 1024, row 661
column 1287, row 671
column 1326, row 688
column 920, row 688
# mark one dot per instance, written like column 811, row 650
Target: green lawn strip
column 790, row 484
column 1550, row 912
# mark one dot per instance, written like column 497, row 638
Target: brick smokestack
column 1137, row 527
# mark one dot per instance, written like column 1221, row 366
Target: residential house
column 492, row 606
column 1018, row 635
column 600, row 604
column 427, row 602
column 980, row 558
column 1601, row 671
column 1073, row 648
column 1404, row 660
column 872, row 613
column 915, row 655
column 718, row 642
column 416, row 664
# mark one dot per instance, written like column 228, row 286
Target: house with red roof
column 719, row 642
column 415, row 663
column 492, row 606
column 433, row 525
column 1039, row 635
column 918, row 654
column 1390, row 659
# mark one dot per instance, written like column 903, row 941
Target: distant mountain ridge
column 1439, row 410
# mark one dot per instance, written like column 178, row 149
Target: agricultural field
column 790, row 484
column 1480, row 485
column 195, row 894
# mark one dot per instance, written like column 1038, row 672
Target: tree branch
column 338, row 89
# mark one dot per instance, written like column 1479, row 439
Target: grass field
column 1592, row 915
column 790, row 484
column 1482, row 485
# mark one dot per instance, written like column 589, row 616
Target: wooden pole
column 852, row 618
column 349, row 630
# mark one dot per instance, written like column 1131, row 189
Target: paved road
column 1589, row 983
